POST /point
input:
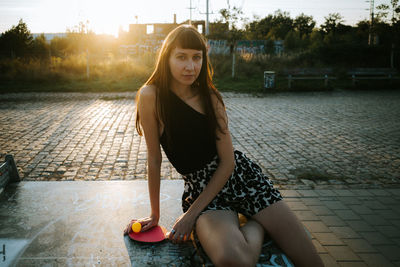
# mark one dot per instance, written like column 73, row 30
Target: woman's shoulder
column 147, row 94
column 148, row 91
column 216, row 99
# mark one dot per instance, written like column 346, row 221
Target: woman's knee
column 233, row 256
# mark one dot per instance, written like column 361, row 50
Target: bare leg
column 225, row 242
column 288, row 232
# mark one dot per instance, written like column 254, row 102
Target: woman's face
column 185, row 65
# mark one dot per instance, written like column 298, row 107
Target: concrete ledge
column 80, row 223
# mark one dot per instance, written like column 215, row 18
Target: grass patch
column 98, row 85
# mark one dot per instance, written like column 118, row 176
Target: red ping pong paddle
column 154, row 234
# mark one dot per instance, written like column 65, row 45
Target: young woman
column 180, row 109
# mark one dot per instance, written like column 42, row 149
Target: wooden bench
column 8, row 172
column 372, row 74
column 309, row 74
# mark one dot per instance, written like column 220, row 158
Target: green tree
column 59, row 46
column 231, row 17
column 218, row 30
column 304, row 24
column 332, row 22
column 16, row 41
column 40, row 48
column 293, row 41
column 274, row 27
column 282, row 23
column 384, row 10
column 80, row 38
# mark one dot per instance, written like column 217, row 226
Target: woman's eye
column 181, row 57
column 197, row 57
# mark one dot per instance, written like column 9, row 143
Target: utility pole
column 207, row 29
column 190, row 8
column 207, row 18
column 371, row 26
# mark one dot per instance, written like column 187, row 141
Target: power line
column 190, row 8
column 371, row 26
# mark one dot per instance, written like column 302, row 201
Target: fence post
column 87, row 63
column 326, row 80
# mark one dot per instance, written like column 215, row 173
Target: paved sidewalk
column 301, row 140
column 345, row 146
column 356, row 227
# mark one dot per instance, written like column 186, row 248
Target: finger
column 171, row 235
column 182, row 238
column 145, row 226
column 126, row 231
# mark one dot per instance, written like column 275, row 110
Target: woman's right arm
column 150, row 126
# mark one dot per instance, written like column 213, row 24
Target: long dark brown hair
column 185, row 37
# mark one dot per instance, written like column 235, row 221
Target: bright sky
column 105, row 16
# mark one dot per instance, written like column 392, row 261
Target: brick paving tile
column 361, row 192
column 327, row 239
column 297, row 205
column 321, row 210
column 316, row 227
column 347, row 215
column 325, row 192
column 395, row 192
column 334, row 205
column 389, row 231
column 307, row 193
column 347, row 200
column 289, row 193
column 360, row 226
column 361, row 209
column 318, row 246
column 344, row 232
column 374, row 205
column 359, row 245
column 311, row 201
column 391, row 252
column 395, row 223
column 375, row 259
column 389, row 214
column 376, row 238
column 306, row 215
column 344, row 193
column 388, row 200
column 342, row 253
column 379, row 192
column 352, row 264
column 375, row 220
column 331, row 220
column 328, row 260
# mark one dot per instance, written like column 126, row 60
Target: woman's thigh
column 288, row 232
column 221, row 238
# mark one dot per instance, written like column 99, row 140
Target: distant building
column 149, row 36
column 139, row 33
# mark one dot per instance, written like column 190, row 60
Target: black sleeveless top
column 191, row 147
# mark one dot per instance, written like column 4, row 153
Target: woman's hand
column 182, row 228
column 147, row 223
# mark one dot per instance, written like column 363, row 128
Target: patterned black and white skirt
column 247, row 191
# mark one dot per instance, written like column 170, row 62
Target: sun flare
column 106, row 17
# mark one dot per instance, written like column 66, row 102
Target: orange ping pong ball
column 136, row 227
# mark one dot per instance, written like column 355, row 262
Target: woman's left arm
column 185, row 223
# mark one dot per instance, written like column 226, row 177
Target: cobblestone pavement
column 339, row 139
